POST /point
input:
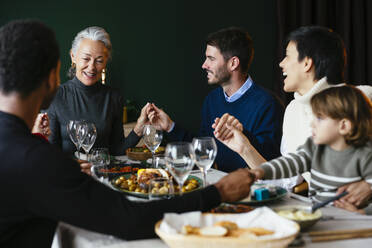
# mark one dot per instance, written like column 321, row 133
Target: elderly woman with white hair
column 84, row 97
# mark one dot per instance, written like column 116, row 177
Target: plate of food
column 263, row 193
column 137, row 184
column 142, row 153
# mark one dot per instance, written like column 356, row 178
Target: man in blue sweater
column 229, row 54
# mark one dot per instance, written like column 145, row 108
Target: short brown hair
column 233, row 41
column 346, row 102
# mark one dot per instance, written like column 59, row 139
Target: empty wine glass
column 77, row 131
column 179, row 159
column 205, row 150
column 152, row 139
column 90, row 138
column 100, row 159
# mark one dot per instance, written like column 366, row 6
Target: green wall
column 158, row 46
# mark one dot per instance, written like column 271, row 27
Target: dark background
column 158, row 46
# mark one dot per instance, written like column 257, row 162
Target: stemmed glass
column 100, row 158
column 152, row 139
column 179, row 159
column 205, row 150
column 90, row 138
column 77, row 132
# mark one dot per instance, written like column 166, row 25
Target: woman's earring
column 103, row 76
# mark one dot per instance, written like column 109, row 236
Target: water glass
column 152, row 139
column 205, row 150
column 160, row 188
column 179, row 159
column 159, row 161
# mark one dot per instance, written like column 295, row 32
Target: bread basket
column 192, row 241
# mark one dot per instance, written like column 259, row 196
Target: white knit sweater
column 298, row 116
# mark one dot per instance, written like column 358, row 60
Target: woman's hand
column 359, row 193
column 142, row 120
column 41, row 125
column 348, row 206
column 220, row 126
column 159, row 118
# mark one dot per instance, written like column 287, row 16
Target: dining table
column 333, row 219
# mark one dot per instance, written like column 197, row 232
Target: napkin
column 260, row 217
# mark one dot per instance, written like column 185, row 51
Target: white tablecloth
column 68, row 236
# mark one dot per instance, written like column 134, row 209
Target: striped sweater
column 329, row 169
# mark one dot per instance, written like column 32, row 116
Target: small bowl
column 141, row 153
column 304, row 224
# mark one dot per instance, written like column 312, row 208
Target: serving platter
column 146, row 195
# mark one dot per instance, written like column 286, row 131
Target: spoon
column 323, row 203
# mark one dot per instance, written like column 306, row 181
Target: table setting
column 283, row 215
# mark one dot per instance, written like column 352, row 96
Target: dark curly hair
column 233, row 41
column 28, row 52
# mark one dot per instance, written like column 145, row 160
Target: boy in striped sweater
column 340, row 149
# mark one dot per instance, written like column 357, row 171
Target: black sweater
column 98, row 104
column 39, row 186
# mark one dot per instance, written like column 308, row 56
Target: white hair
column 92, row 33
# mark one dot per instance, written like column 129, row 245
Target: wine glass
column 90, row 138
column 100, row 159
column 205, row 150
column 77, row 131
column 179, row 159
column 152, row 139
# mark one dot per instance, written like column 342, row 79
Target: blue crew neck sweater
column 258, row 111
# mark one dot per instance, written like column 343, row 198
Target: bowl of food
column 142, row 153
column 300, row 214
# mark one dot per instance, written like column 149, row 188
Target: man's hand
column 235, row 186
column 85, row 166
column 41, row 125
column 159, row 118
column 359, row 193
column 220, row 126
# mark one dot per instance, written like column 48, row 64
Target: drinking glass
column 160, row 188
column 159, row 161
column 90, row 138
column 100, row 159
column 152, row 139
column 205, row 150
column 77, row 131
column 179, row 159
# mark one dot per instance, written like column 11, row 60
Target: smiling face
column 90, row 59
column 215, row 66
column 293, row 70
